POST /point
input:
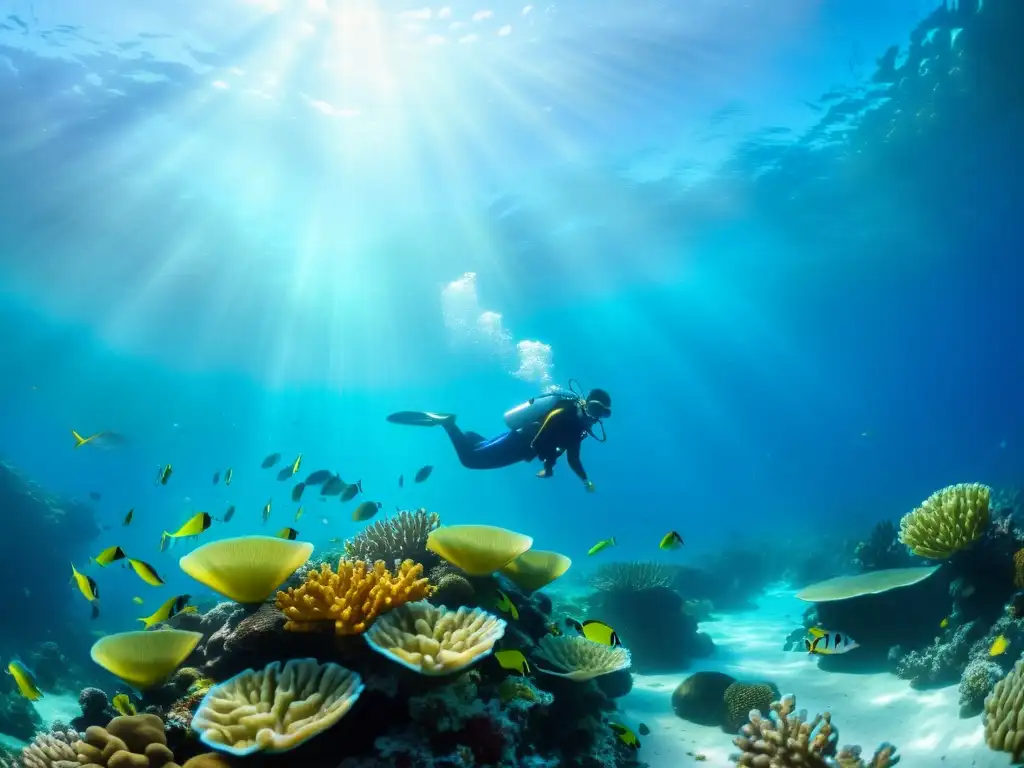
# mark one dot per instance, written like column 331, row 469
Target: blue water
column 231, row 231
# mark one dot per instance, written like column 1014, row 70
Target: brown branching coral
column 402, row 537
column 352, row 597
column 631, row 577
column 787, row 739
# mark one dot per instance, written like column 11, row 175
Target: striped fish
column 826, row 643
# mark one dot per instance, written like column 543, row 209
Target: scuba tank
column 533, row 411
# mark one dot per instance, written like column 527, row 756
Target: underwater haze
column 782, row 237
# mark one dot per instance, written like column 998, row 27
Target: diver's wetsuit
column 562, row 431
column 476, row 452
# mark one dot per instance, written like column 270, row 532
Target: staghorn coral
column 947, row 521
column 977, row 681
column 787, row 739
column 51, row 750
column 137, row 741
column 351, row 598
column 1003, row 713
column 631, row 577
column 578, row 659
column 743, row 698
column 433, row 640
column 402, row 537
column 276, row 708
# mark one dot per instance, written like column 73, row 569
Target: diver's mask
column 595, row 411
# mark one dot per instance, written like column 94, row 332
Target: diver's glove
column 544, row 473
column 589, row 485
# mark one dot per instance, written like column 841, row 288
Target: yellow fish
column 366, row 510
column 164, row 474
column 671, row 540
column 87, row 586
column 195, row 525
column 625, row 735
column 944, row 623
column 124, row 705
column 108, row 556
column 228, row 475
column 171, row 607
column 505, row 605
column 80, row 441
column 146, row 572
column 824, row 643
column 287, row 533
column 597, row 631
column 603, row 544
column 24, row 680
column 514, row 661
column 999, row 646
column 298, row 513
column 266, row 510
column 297, row 464
column 138, row 600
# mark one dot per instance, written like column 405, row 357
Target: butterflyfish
column 999, row 646
column 514, row 661
column 138, row 600
column 171, row 607
column 625, row 735
column 366, row 510
column 287, row 533
column 123, row 705
column 80, row 441
column 671, row 540
column 297, row 464
column 596, row 631
column 505, row 605
column 108, row 556
column 146, row 572
column 87, row 586
column 25, row 680
column 824, row 643
column 266, row 510
column 351, row 491
column 129, row 516
column 601, row 545
column 229, row 514
column 642, row 729
column 195, row 525
column 298, row 513
column 164, row 474
column 228, row 475
column 423, row 473
column 270, row 461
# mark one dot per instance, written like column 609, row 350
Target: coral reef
column 947, row 521
column 787, row 739
column 137, row 741
column 882, row 550
column 1004, row 709
column 51, row 749
column 631, row 577
column 144, row 659
column 977, row 681
column 536, row 568
column 351, row 598
column 940, row 663
column 246, row 569
column 478, row 550
column 579, row 659
column 743, row 698
column 700, row 698
column 401, row 537
column 96, row 709
column 18, row 717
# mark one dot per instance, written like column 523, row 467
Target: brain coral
column 743, row 698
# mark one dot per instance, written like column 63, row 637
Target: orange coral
column 1018, row 569
column 352, row 597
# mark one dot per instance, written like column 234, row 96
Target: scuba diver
column 543, row 427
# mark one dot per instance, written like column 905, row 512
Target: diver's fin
column 418, row 418
column 475, row 437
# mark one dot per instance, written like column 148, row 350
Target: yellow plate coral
column 246, row 569
column 870, row 583
column 144, row 659
column 536, row 568
column 579, row 659
column 276, row 708
column 479, row 550
column 434, row 640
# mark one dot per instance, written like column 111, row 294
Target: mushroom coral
column 144, row 659
column 577, row 658
column 276, row 708
column 478, row 550
column 947, row 521
column 433, row 640
column 352, row 597
column 536, row 568
column 246, row 569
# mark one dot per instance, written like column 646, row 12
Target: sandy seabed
column 867, row 708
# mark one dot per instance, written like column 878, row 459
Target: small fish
column 505, row 605
column 216, row 477
column 297, row 491
column 350, row 491
column 108, row 556
column 129, row 516
column 287, row 533
column 298, row 513
column 163, row 474
column 229, row 514
column 124, row 705
column 80, row 441
column 335, row 540
column 366, row 510
column 25, row 680
column 999, row 646
column 87, row 586
column 266, row 510
column 825, row 643
column 553, row 629
column 95, row 496
column 319, row 477
column 597, row 631
column 270, row 461
column 514, row 661
column 230, row 473
column 170, row 607
column 944, row 623
column 138, row 600
column 146, row 572
column 194, row 526
column 642, row 729
column 332, row 486
column 625, row 735
column 297, row 464
column 603, row 544
column 401, row 481
column 284, row 474
column 423, row 473
column 671, row 540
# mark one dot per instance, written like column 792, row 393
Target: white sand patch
column 867, row 708
column 53, row 706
